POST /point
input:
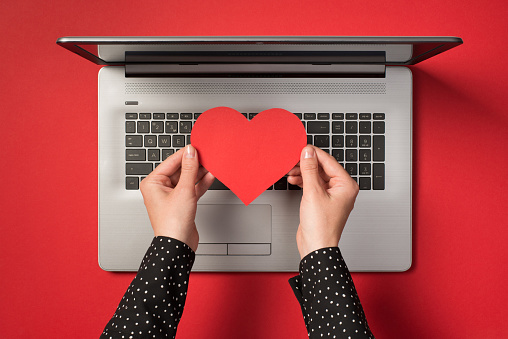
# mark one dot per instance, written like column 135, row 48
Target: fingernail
column 190, row 152
column 309, row 153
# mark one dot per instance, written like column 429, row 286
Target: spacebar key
column 138, row 168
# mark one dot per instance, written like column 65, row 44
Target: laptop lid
column 258, row 50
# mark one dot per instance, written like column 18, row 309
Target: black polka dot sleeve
column 326, row 293
column 154, row 301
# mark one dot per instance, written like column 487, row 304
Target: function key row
column 304, row 116
column 340, row 116
column 162, row 116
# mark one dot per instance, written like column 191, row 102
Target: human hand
column 329, row 195
column 171, row 194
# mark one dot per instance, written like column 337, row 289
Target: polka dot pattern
column 154, row 302
column 326, row 293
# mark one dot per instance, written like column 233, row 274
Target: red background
column 51, row 285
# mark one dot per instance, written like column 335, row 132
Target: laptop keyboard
column 356, row 140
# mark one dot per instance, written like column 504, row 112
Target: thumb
column 190, row 167
column 309, row 168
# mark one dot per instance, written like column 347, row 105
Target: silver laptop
column 353, row 95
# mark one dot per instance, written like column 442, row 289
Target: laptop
column 352, row 94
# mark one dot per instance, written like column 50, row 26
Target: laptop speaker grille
column 255, row 88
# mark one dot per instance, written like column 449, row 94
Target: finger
column 201, row 173
column 169, row 166
column 330, row 165
column 309, row 167
column 295, row 180
column 176, row 176
column 204, row 184
column 189, row 168
column 297, row 172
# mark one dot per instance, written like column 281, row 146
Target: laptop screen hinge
column 256, row 70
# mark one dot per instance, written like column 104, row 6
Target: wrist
column 306, row 245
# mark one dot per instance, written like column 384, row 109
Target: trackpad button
column 234, row 223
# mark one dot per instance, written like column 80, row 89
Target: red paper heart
column 248, row 156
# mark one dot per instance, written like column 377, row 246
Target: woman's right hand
column 329, row 195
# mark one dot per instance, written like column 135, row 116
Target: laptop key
column 351, row 127
column 323, row 116
column 154, row 154
column 293, row 187
column 157, row 126
column 143, row 126
column 131, row 115
column 134, row 141
column 140, row 168
column 130, row 127
column 135, row 155
column 378, row 176
column 322, row 140
column 281, row 184
column 186, row 116
column 337, row 141
column 164, row 140
column 196, row 116
column 309, row 116
column 316, row 127
column 364, row 140
column 365, row 116
column 309, row 139
column 299, row 115
column 364, row 183
column 185, row 126
column 351, row 168
column 351, row 141
column 365, row 169
column 159, row 116
column 364, row 126
column 252, row 115
column 351, row 116
column 338, row 127
column 178, row 140
column 338, row 154
column 364, row 154
column 172, row 116
column 378, row 148
column 378, row 127
column 217, row 185
column 338, row 116
column 187, row 141
column 150, row 140
column 351, row 155
column 166, row 153
column 131, row 183
column 145, row 116
column 171, row 126
column 378, row 116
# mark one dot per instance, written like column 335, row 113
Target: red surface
column 263, row 149
column 51, row 285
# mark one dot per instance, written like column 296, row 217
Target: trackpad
column 234, row 223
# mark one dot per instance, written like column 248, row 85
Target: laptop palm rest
column 234, row 229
